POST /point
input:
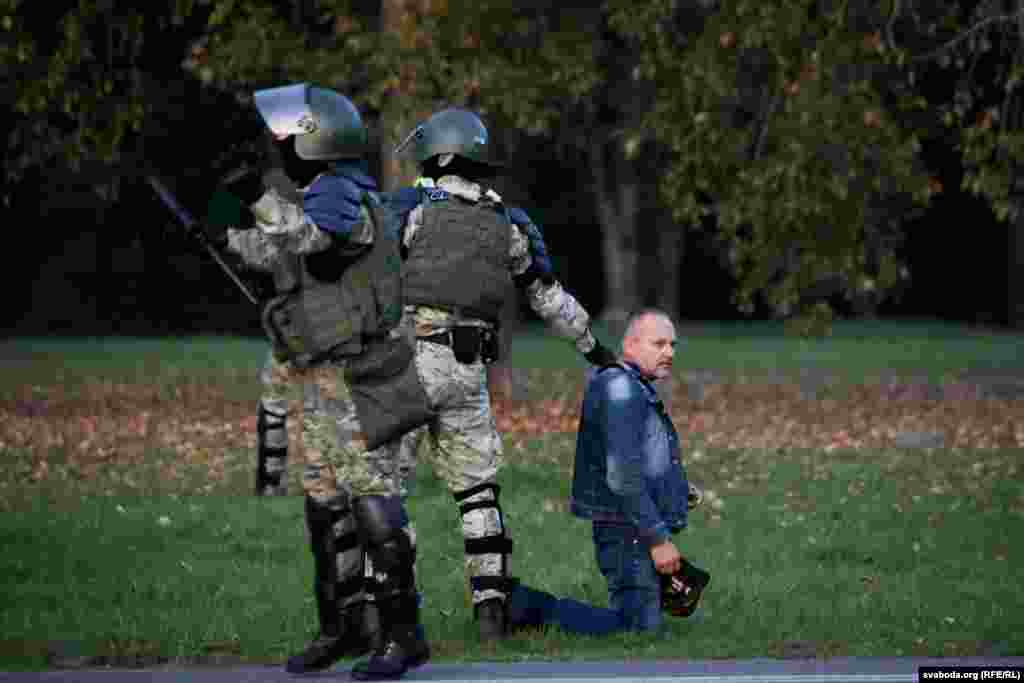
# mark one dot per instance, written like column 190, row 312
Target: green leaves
column 791, row 86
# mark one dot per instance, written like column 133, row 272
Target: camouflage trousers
column 465, row 448
column 279, row 403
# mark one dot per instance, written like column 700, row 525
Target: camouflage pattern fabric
column 466, row 449
column 272, row 447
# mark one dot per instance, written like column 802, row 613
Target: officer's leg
column 467, row 457
column 271, row 448
column 408, row 447
column 391, row 548
column 346, row 622
column 333, row 433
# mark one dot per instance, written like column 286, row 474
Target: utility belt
column 468, row 342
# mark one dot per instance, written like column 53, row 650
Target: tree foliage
column 775, row 116
column 798, row 127
column 793, row 128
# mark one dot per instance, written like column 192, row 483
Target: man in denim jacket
column 629, row 480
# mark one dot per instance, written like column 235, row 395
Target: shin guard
column 271, row 450
column 487, row 544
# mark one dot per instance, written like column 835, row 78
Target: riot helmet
column 326, row 124
column 454, row 131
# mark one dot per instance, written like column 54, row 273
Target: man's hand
column 667, row 559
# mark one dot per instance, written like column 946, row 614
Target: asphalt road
column 835, row 670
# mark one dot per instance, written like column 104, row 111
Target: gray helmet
column 326, row 124
column 450, row 131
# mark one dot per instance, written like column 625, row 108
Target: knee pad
column 483, row 529
column 348, row 558
column 383, row 524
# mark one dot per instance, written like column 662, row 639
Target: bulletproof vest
column 287, row 273
column 458, row 258
column 341, row 297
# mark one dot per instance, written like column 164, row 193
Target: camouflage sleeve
column 561, row 312
column 529, row 264
column 253, row 247
column 286, row 226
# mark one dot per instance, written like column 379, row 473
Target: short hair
column 635, row 316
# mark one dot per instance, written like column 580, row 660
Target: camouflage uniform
column 466, row 448
column 272, row 443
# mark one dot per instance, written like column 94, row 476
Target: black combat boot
column 491, row 619
column 342, row 635
column 382, row 526
column 403, row 646
column 344, row 632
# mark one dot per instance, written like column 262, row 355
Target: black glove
column 600, row 356
column 681, row 591
column 225, row 210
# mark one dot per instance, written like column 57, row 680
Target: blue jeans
column 634, row 588
column 634, row 591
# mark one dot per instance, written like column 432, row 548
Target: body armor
column 331, row 312
column 458, row 259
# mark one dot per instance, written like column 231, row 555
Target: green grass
column 852, row 553
column 841, row 557
column 856, row 350
column 72, row 361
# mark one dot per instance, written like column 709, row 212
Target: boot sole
column 410, row 665
column 344, row 655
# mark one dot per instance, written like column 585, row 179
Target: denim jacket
column 627, row 468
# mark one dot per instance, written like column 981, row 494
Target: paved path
column 835, row 670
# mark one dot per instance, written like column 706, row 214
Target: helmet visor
column 286, row 110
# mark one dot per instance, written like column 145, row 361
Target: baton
column 192, row 227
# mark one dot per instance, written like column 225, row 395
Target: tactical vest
column 458, row 258
column 287, row 273
column 339, row 299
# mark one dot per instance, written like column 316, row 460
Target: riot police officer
column 333, row 318
column 463, row 249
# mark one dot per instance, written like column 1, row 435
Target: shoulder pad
column 333, row 202
column 538, row 250
column 361, row 179
column 519, row 217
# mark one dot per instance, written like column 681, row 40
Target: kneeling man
column 630, row 481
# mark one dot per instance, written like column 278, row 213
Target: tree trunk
column 1015, row 273
column 671, row 244
column 616, row 204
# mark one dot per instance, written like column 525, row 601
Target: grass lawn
column 130, row 534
